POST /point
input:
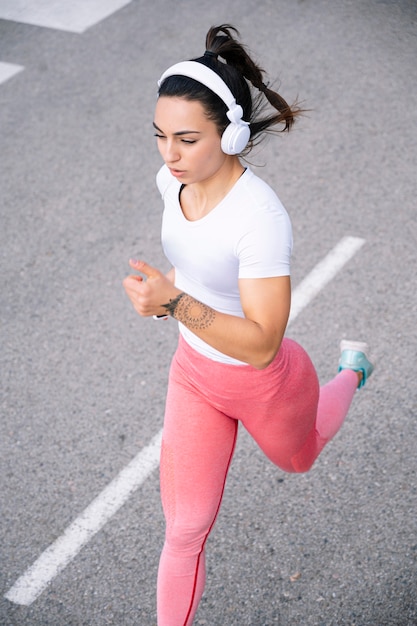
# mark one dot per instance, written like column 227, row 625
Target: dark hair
column 237, row 72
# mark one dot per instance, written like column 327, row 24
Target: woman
column 229, row 241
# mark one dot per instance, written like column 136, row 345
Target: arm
column 254, row 339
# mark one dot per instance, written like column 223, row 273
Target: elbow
column 262, row 365
column 264, row 359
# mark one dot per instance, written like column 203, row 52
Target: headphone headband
column 202, row 74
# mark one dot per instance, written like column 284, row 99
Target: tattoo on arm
column 190, row 312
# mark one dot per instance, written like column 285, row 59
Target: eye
column 159, row 136
column 189, row 141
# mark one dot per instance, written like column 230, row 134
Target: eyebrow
column 180, row 132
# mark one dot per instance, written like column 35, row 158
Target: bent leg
column 197, row 449
column 334, row 403
column 297, row 418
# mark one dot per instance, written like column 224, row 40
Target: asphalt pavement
column 83, row 378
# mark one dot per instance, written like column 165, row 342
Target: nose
column 172, row 154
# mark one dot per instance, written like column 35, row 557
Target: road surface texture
column 83, row 378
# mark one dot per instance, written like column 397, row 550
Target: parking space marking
column 60, row 553
column 7, row 70
column 75, row 16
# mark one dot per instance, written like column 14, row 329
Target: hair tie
column 209, row 53
column 262, row 87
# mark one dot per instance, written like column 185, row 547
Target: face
column 188, row 141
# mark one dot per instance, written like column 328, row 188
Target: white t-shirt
column 247, row 235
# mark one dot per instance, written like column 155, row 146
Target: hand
column 148, row 296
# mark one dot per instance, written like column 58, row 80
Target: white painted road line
column 60, row 553
column 55, row 558
column 68, row 15
column 7, row 70
column 323, row 273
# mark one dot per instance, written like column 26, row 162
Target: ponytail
column 242, row 75
column 222, row 42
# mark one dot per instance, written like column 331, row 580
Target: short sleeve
column 264, row 249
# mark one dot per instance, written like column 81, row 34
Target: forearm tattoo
column 190, row 312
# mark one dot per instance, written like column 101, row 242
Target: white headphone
column 236, row 135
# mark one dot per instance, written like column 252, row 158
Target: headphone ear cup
column 235, row 138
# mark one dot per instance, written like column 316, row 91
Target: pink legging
column 284, row 410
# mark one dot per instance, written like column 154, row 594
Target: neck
column 200, row 198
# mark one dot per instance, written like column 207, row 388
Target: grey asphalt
column 83, row 378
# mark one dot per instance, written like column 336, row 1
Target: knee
column 301, row 464
column 296, row 466
column 186, row 538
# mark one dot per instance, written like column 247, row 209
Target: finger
column 130, row 281
column 141, row 266
column 134, row 277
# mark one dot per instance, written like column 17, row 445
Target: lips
column 176, row 173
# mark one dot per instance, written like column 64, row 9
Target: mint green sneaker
column 353, row 357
